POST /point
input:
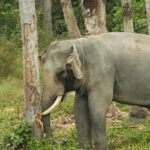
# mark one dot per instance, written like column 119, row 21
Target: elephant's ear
column 42, row 58
column 75, row 64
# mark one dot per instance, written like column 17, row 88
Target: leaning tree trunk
column 148, row 14
column 32, row 103
column 70, row 19
column 48, row 15
column 94, row 16
column 136, row 112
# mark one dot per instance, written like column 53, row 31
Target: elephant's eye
column 60, row 75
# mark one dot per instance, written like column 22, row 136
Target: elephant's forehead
column 60, row 46
column 57, row 56
column 52, row 67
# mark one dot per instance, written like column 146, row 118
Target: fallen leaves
column 141, row 127
column 119, row 139
column 118, row 117
column 66, row 122
column 138, row 127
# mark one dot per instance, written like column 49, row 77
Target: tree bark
column 32, row 102
column 70, row 19
column 94, row 16
column 127, row 15
column 148, row 14
column 48, row 15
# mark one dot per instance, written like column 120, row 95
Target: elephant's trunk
column 56, row 103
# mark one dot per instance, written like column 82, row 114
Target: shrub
column 10, row 60
column 19, row 136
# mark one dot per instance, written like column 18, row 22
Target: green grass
column 129, row 136
column 11, row 101
column 123, row 107
column 121, row 136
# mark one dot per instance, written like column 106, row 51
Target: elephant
column 100, row 69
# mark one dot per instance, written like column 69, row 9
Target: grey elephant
column 100, row 68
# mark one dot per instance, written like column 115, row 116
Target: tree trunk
column 70, row 19
column 148, row 14
column 94, row 16
column 48, row 15
column 32, row 103
column 137, row 112
column 127, row 15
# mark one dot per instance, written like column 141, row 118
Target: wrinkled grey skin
column 115, row 66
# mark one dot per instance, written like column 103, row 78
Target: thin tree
column 70, row 19
column 48, row 15
column 32, row 103
column 135, row 111
column 94, row 16
column 148, row 14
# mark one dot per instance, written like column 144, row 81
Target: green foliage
column 19, row 136
column 10, row 59
column 59, row 24
column 78, row 15
column 67, row 106
column 9, row 19
column 123, row 107
column 115, row 19
column 139, row 16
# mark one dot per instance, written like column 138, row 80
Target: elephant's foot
column 99, row 147
column 86, row 147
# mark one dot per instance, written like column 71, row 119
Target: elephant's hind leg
column 82, row 121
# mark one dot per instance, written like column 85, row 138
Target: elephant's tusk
column 56, row 103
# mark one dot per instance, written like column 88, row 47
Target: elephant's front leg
column 82, row 121
column 99, row 102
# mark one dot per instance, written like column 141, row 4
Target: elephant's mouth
column 56, row 103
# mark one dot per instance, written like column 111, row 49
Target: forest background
column 11, row 72
column 10, row 36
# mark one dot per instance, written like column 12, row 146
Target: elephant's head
column 62, row 73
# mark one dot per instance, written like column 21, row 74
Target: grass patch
column 11, row 101
column 125, row 135
column 123, row 107
column 129, row 135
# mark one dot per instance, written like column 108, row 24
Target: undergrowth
column 15, row 133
